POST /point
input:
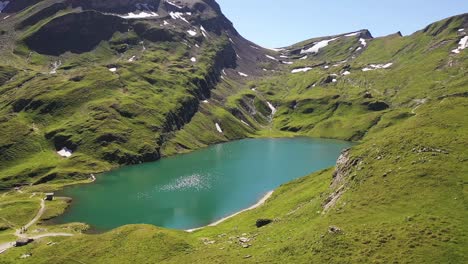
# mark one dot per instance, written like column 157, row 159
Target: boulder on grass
column 263, row 222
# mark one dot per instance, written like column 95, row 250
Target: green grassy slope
column 397, row 197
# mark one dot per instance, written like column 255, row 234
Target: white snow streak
column 463, row 44
column 363, row 42
column 65, row 152
column 377, row 66
column 353, row 34
column 143, row 14
column 173, row 4
column 243, row 74
column 272, row 108
column 192, row 33
column 204, row 32
column 317, row 46
column 306, row 69
column 218, row 127
column 178, row 15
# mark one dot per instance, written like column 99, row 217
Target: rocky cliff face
column 75, row 32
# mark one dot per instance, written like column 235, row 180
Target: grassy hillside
column 397, row 197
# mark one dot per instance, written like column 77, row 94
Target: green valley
column 140, row 89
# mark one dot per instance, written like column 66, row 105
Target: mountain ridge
column 165, row 78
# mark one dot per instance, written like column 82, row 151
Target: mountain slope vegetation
column 156, row 78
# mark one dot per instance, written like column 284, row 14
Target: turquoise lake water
column 196, row 189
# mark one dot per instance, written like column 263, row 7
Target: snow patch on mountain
column 218, row 127
column 65, row 152
column 193, row 59
column 363, row 42
column 271, row 57
column 243, row 74
column 178, row 15
column 377, row 66
column 204, row 32
column 317, row 46
column 275, row 49
column 174, row 4
column 353, row 34
column 272, row 108
column 463, row 44
column 306, row 69
column 192, row 33
column 142, row 14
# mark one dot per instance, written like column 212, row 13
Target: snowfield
column 143, row 14
column 463, row 44
column 317, row 46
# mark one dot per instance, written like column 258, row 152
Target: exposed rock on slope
column 75, row 32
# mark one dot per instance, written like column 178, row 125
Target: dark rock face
column 23, row 242
column 377, row 106
column 61, row 140
column 153, row 34
column 263, row 222
column 76, row 32
column 18, row 5
column 327, row 80
column 334, row 230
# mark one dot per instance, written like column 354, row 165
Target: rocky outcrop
column 376, row 105
column 154, row 34
column 75, row 32
column 263, row 222
column 344, row 165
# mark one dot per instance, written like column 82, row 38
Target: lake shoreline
column 258, row 204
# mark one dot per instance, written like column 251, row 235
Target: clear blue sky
column 278, row 23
